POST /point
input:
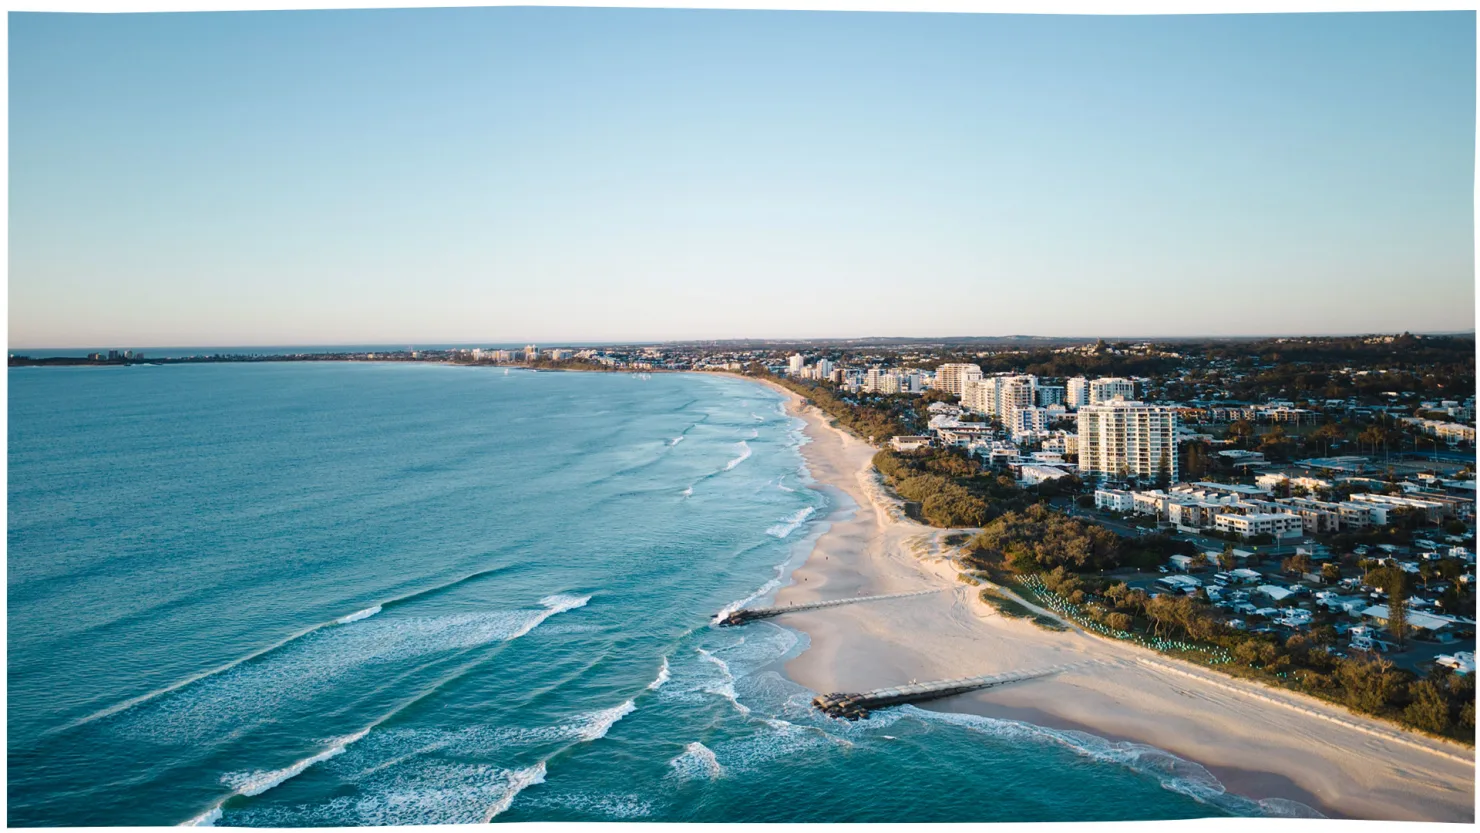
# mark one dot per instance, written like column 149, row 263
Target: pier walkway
column 743, row 615
column 857, row 706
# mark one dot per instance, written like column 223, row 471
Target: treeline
column 1036, row 539
column 878, row 418
column 952, row 489
column 1442, row 703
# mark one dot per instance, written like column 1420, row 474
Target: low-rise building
column 1259, row 523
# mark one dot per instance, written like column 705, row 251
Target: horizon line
column 413, row 344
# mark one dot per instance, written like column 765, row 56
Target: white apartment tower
column 795, row 364
column 952, row 378
column 1123, row 438
column 1104, row 390
column 1076, row 392
column 824, row 368
column 1000, row 395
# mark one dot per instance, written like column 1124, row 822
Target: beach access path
column 1259, row 742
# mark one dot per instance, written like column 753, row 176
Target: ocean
column 334, row 594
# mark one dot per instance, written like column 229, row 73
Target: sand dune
column 1261, row 743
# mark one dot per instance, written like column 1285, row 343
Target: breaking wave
column 256, row 783
column 664, row 675
column 518, row 781
column 744, row 455
column 697, row 761
column 355, row 617
column 789, row 524
column 276, row 646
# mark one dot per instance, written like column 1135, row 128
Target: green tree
column 1428, row 709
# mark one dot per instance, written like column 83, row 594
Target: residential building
column 1124, row 438
column 1104, row 390
column 1076, row 392
column 952, row 378
column 1259, row 523
column 795, row 364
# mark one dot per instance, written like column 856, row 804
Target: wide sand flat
column 1260, row 742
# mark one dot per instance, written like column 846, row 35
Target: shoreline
column 1260, row 743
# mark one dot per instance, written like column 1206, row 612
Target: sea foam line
column 355, row 617
column 744, row 455
column 663, row 676
column 789, row 524
column 220, row 669
column 519, row 780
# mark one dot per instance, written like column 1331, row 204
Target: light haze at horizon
column 508, row 175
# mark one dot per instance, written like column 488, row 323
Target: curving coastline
column 1121, row 703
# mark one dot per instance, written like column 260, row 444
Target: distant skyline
column 548, row 175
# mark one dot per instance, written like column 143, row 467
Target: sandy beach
column 1259, row 742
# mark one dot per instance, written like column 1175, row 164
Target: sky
column 545, row 174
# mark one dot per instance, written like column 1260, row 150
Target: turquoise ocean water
column 332, row 594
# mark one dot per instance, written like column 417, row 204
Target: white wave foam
column 355, row 617
column 757, row 417
column 559, row 603
column 744, row 455
column 597, row 724
column 689, row 492
column 206, row 819
column 256, row 783
column 754, row 432
column 663, row 676
column 726, row 686
column 675, row 441
column 518, row 781
column 697, row 761
column 789, row 524
column 766, row 588
column 294, row 677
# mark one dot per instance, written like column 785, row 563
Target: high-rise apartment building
column 1076, row 392
column 952, row 378
column 1104, row 390
column 795, row 364
column 1123, row 438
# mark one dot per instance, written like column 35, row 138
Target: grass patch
column 1014, row 609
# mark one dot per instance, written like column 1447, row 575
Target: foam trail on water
column 256, row 783
column 675, row 441
column 558, row 603
column 519, row 780
column 697, row 761
column 220, row 669
column 355, row 617
column 599, row 723
column 726, row 688
column 663, row 676
column 764, row 589
column 789, row 524
column 744, row 455
column 689, row 492
column 206, row 819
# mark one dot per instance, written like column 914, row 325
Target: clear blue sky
column 445, row 175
